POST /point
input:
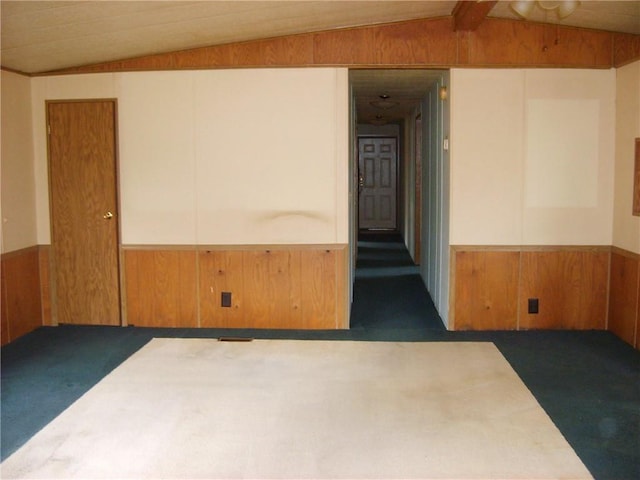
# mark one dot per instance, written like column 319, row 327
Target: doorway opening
column 399, row 198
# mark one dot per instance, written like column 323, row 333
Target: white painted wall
column 532, row 157
column 17, row 179
column 626, row 227
column 220, row 157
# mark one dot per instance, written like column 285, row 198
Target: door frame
column 119, row 253
column 397, row 168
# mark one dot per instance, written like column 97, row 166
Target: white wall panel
column 626, row 227
column 487, row 134
column 267, row 151
column 573, row 171
column 517, row 180
column 17, row 177
column 157, row 159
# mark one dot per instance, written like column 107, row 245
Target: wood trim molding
column 531, row 248
column 425, row 43
column 625, row 253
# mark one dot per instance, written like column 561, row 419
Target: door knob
column 108, row 216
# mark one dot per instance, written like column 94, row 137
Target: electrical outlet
column 533, row 305
column 226, row 299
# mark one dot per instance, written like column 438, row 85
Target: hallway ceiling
column 406, row 87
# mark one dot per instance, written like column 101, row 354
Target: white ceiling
column 40, row 36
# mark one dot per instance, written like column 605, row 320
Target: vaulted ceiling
column 40, row 36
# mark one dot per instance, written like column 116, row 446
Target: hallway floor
column 389, row 293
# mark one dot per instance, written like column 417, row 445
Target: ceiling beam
column 468, row 15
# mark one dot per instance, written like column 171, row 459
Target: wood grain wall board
column 421, row 42
column 221, row 271
column 161, row 288
column 626, row 49
column 486, row 290
column 280, row 286
column 44, row 259
column 318, row 291
column 414, row 43
column 462, row 48
column 21, row 286
column 345, row 47
column 4, row 314
column 571, row 287
column 343, row 299
column 624, row 297
column 272, row 296
column 636, row 179
column 637, row 336
column 499, row 42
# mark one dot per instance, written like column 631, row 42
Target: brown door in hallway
column 378, row 165
column 84, row 223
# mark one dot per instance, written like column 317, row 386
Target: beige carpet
column 193, row 408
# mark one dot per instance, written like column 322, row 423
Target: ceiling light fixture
column 379, row 120
column 384, row 102
column 563, row 8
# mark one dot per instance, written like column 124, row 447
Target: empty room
column 320, row 239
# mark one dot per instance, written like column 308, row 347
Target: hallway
column 389, row 293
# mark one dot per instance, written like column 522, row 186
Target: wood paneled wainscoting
column 280, row 286
column 492, row 287
column 624, row 300
column 26, row 302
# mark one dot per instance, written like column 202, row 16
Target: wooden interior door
column 378, row 164
column 84, row 225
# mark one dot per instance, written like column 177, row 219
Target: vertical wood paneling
column 161, row 288
column 44, row 258
column 571, row 287
column 486, row 290
column 272, row 288
column 343, row 301
column 421, row 43
column 319, row 289
column 624, row 300
column 280, row 287
column 626, row 49
column 4, row 314
column 344, row 47
column 22, row 308
column 517, row 43
column 221, row 271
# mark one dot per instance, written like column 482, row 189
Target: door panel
column 378, row 169
column 82, row 168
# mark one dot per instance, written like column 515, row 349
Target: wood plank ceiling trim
column 468, row 15
column 431, row 43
